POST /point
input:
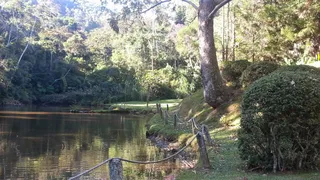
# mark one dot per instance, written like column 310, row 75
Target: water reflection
column 57, row 145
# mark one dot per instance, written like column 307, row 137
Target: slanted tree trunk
column 215, row 92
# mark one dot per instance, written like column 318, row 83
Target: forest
column 63, row 52
column 246, row 70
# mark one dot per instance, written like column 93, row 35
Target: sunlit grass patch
column 152, row 104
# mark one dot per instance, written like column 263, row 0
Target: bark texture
column 214, row 88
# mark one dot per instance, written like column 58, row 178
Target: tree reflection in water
column 48, row 144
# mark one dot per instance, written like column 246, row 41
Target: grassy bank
column 194, row 107
column 223, row 124
column 151, row 105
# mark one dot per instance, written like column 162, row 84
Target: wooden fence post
column 157, row 105
column 115, row 169
column 161, row 113
column 167, row 107
column 207, row 135
column 175, row 119
column 166, row 117
column 203, row 152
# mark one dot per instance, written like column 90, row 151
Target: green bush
column 256, row 71
column 280, row 122
column 161, row 91
column 303, row 68
column 69, row 98
column 232, row 70
column 167, row 83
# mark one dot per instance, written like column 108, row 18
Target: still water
column 43, row 143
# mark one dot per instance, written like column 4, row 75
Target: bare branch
column 24, row 50
column 216, row 9
column 62, row 76
column 9, row 38
column 218, row 1
column 26, row 47
column 193, row 18
column 154, row 6
column 191, row 3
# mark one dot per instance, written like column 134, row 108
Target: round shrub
column 280, row 122
column 303, row 68
column 232, row 70
column 256, row 71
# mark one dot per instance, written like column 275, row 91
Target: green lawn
column 143, row 105
column 130, row 106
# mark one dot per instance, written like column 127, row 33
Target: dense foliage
column 282, row 30
column 256, row 71
column 54, row 52
column 280, row 122
column 232, row 70
column 57, row 49
column 300, row 68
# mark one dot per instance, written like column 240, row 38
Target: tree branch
column 26, row 47
column 62, row 76
column 9, row 38
column 218, row 1
column 154, row 6
column 216, row 9
column 191, row 3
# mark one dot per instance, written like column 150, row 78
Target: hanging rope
column 91, row 169
column 136, row 162
column 194, row 124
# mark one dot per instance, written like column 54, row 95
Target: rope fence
column 164, row 114
column 115, row 164
column 112, row 168
column 91, row 169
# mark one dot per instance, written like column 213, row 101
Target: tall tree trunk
column 51, row 54
column 223, row 39
column 253, row 47
column 228, row 31
column 234, row 36
column 215, row 92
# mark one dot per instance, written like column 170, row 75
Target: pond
column 51, row 143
